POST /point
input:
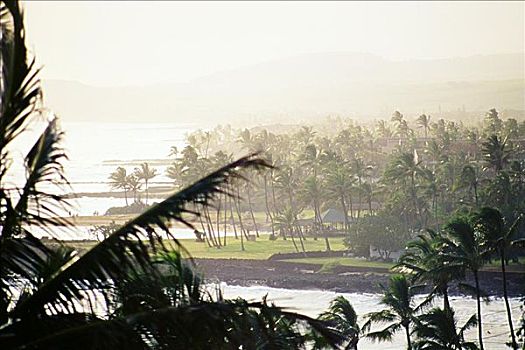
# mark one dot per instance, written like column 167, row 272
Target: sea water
column 313, row 302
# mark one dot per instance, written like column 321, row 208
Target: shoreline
column 307, row 276
column 341, row 279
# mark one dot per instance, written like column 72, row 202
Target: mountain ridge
column 305, row 87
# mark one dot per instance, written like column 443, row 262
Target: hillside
column 306, row 87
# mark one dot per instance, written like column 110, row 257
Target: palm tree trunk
column 147, row 194
column 476, row 194
column 232, row 219
column 409, row 342
column 319, row 227
column 446, row 301
column 478, row 302
column 251, row 210
column 218, row 217
column 211, row 229
column 293, row 239
column 273, row 195
column 126, row 196
column 507, row 305
column 238, row 209
column 359, row 198
column 301, row 238
column 268, row 211
column 345, row 212
column 351, row 202
column 414, row 195
column 317, row 219
column 242, row 241
column 225, row 217
column 206, row 238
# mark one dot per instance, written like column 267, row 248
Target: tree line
column 413, row 174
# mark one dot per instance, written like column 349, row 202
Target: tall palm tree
column 493, row 124
column 145, row 173
column 470, row 179
column 464, row 249
column 52, row 300
column 360, row 169
column 499, row 238
column 342, row 316
column 286, row 222
column 424, row 122
column 496, row 153
column 311, row 193
column 438, row 330
column 119, row 180
column 400, row 312
column 134, row 186
column 406, row 168
column 424, row 262
column 383, row 130
column 339, row 185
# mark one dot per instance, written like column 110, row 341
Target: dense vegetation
column 389, row 181
column 132, row 290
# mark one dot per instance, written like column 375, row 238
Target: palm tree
column 424, row 262
column 437, row 330
column 492, row 122
column 496, row 153
column 499, row 238
column 406, row 167
column 339, row 184
column 119, row 179
column 464, row 249
column 133, row 185
column 397, row 117
column 424, row 122
column 400, row 313
column 285, row 222
column 50, row 300
column 145, row 173
column 287, row 181
column 342, row 316
column 360, row 170
column 383, row 130
column 312, row 193
column 469, row 178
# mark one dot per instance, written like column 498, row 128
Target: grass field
column 343, row 261
column 263, row 248
column 260, row 249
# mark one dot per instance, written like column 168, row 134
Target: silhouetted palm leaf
column 124, row 250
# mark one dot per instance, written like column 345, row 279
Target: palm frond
column 124, row 250
column 385, row 334
column 21, row 86
column 44, row 167
column 197, row 326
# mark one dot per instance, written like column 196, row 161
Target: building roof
column 332, row 216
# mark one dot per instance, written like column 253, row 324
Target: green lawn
column 343, row 261
column 260, row 249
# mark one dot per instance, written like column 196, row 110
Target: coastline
column 340, row 279
column 288, row 274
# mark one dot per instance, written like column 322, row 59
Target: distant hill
column 305, row 88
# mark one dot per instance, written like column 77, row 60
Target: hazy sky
column 120, row 43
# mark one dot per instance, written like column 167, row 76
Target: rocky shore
column 342, row 279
